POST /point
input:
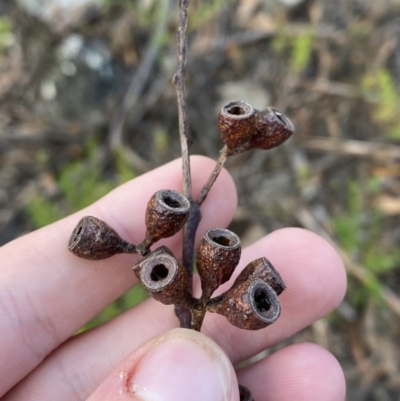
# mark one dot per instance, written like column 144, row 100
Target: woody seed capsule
column 236, row 122
column 164, row 278
column 217, row 257
column 263, row 269
column 272, row 129
column 250, row 305
column 94, row 239
column 167, row 212
column 243, row 128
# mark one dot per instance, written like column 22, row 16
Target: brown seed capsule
column 164, row 278
column 245, row 394
column 94, row 239
column 243, row 128
column 217, row 257
column 249, row 305
column 272, row 129
column 162, row 250
column 262, row 268
column 236, row 123
column 167, row 212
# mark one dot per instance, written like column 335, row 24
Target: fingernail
column 183, row 365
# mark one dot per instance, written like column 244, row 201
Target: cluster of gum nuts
column 252, row 301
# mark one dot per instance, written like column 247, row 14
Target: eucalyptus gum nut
column 94, row 239
column 263, row 269
column 242, row 127
column 236, row 122
column 162, row 250
column 217, row 257
column 250, row 305
column 166, row 213
column 272, row 129
column 164, row 278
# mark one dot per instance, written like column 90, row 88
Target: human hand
column 46, row 294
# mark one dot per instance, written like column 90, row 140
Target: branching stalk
column 223, row 156
column 189, row 231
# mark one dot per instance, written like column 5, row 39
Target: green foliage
column 301, row 51
column 347, row 226
column 43, row 212
column 81, row 183
column 379, row 88
column 362, row 237
column 5, row 34
column 298, row 48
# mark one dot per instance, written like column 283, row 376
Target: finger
column 178, row 365
column 298, row 372
column 315, row 285
column 47, row 293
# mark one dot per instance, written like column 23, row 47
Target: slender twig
column 179, row 82
column 189, row 231
column 223, row 156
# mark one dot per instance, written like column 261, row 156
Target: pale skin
column 47, row 294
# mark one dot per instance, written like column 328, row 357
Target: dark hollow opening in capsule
column 236, row 110
column 280, row 117
column 261, row 299
column 77, row 232
column 222, row 241
column 171, row 202
column 244, row 393
column 159, row 272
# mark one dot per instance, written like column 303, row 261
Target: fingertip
column 298, row 372
column 319, row 269
column 177, row 365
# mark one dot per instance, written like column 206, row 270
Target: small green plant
column 81, row 183
column 298, row 48
column 359, row 232
column 379, row 88
column 5, row 35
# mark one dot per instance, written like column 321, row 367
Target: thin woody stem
column 199, row 310
column 179, row 82
column 197, row 314
column 223, row 156
column 184, row 315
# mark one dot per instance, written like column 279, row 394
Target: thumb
column 178, row 365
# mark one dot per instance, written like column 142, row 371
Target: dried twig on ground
column 374, row 150
column 139, row 80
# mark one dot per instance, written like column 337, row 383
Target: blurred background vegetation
column 86, row 103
